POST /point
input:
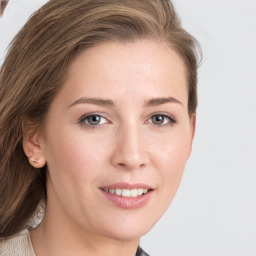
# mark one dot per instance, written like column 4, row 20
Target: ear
column 31, row 145
column 192, row 131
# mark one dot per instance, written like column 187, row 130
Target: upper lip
column 125, row 185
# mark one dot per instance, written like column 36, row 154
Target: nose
column 129, row 150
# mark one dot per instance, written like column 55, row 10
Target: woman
column 98, row 109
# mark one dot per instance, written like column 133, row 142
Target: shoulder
column 19, row 244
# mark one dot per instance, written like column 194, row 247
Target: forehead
column 114, row 69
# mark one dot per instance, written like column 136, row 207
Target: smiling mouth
column 134, row 192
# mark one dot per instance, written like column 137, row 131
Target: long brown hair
column 35, row 68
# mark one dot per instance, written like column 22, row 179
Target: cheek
column 171, row 159
column 72, row 154
column 174, row 150
column 73, row 165
column 76, row 158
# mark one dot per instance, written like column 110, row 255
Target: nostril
column 131, row 165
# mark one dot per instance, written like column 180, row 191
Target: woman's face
column 118, row 128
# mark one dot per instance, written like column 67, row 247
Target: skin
column 127, row 146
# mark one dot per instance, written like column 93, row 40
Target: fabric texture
column 20, row 245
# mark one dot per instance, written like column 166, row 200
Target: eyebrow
column 109, row 103
column 161, row 100
column 95, row 101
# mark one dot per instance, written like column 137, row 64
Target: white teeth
column 119, row 191
column 135, row 192
column 126, row 192
column 140, row 191
column 111, row 191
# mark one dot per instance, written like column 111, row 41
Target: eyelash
column 84, row 120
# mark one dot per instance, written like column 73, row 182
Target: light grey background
column 214, row 211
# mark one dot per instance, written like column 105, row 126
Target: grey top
column 140, row 252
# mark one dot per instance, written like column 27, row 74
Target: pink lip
column 128, row 202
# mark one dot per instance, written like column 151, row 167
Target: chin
column 128, row 230
column 127, row 235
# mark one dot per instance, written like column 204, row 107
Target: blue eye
column 93, row 120
column 160, row 119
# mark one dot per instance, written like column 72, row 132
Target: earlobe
column 32, row 148
column 37, row 162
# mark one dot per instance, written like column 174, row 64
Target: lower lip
column 129, row 202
